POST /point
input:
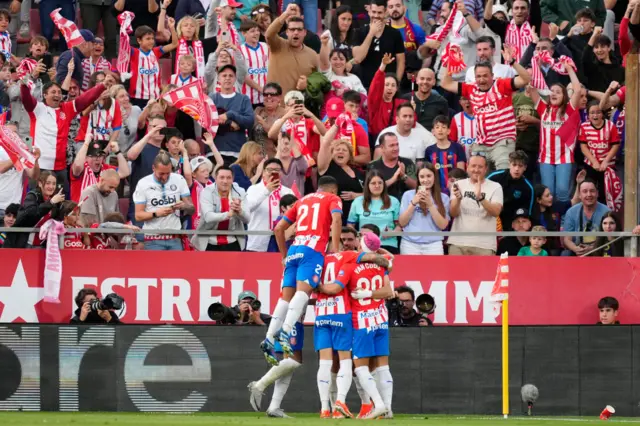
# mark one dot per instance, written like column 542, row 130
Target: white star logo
column 19, row 299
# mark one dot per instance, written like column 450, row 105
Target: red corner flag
column 500, row 291
column 67, row 28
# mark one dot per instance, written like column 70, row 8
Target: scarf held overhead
column 52, row 230
column 198, row 54
column 544, row 58
column 16, row 149
column 613, row 189
column 519, row 37
column 124, row 53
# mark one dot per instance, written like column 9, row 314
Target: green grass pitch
column 255, row 419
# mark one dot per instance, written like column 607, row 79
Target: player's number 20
column 373, row 285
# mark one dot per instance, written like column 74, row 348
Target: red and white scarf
column 16, row 149
column 519, row 37
column 195, row 198
column 52, row 230
column 345, row 129
column 454, row 22
column 26, row 67
column 543, row 57
column 613, row 189
column 299, row 134
column 233, row 33
column 198, row 53
column 453, row 59
column 88, row 178
column 124, row 54
column 89, row 67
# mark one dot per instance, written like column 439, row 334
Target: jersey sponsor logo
column 466, row 141
column 101, row 130
column 164, row 201
column 255, row 71
column 148, row 71
column 332, row 323
column 487, row 108
column 73, row 244
column 601, row 145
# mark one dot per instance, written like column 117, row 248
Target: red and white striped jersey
column 89, row 67
column 5, row 45
column 340, row 303
column 257, row 59
column 368, row 313
column 312, row 215
column 553, row 150
column 50, row 130
column 179, row 81
column 463, row 131
column 599, row 140
column 493, row 109
column 101, row 122
column 145, row 70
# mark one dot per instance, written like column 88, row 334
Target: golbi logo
column 164, row 201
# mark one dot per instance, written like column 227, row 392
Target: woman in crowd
column 130, row 114
column 262, row 15
column 544, row 214
column 424, row 210
column 335, row 159
column 342, row 32
column 294, row 165
column 266, row 115
column 376, row 206
column 610, row 223
column 37, row 206
column 382, row 99
column 333, row 64
column 247, row 170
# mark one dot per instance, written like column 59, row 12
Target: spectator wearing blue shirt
column 247, row 170
column 444, row 155
column 585, row 216
column 424, row 210
column 517, row 190
column 377, row 207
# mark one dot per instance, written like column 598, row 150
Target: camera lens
column 255, row 305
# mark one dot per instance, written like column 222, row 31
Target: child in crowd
column 256, row 55
column 536, row 243
column 286, row 203
column 94, row 63
column 352, row 102
column 184, row 75
column 608, row 308
column 444, row 155
column 463, row 129
column 39, row 51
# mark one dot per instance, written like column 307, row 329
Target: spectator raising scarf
column 16, row 149
column 198, row 53
column 300, row 135
column 345, row 130
column 544, row 58
column 519, row 38
column 455, row 21
column 25, row 68
column 124, row 54
column 233, row 33
column 453, row 59
column 191, row 100
column 67, row 28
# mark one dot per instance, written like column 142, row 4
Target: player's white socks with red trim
column 368, row 383
column 277, row 319
column 384, row 382
column 297, row 306
column 324, row 382
column 285, row 367
column 364, row 396
column 280, row 389
column 344, row 379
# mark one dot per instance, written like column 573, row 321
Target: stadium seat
column 165, row 70
column 124, row 206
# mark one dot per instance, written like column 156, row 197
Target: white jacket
column 258, row 205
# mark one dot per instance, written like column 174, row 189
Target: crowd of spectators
column 527, row 135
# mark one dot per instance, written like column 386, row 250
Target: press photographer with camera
column 246, row 312
column 402, row 312
column 92, row 310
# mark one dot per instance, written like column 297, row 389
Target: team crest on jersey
column 63, row 116
column 173, row 187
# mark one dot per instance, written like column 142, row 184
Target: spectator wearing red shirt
column 382, row 100
column 359, row 140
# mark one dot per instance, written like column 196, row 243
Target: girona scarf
column 124, row 53
column 198, row 53
column 88, row 178
column 453, row 59
column 52, row 230
column 613, row 189
column 298, row 132
column 454, row 22
column 519, row 37
column 345, row 126
column 544, row 58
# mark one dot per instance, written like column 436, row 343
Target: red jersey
column 366, row 313
column 463, row 131
column 145, row 73
column 341, row 302
column 50, row 133
column 312, row 216
column 85, row 179
column 101, row 122
column 493, row 110
column 553, row 150
column 73, row 240
column 599, row 140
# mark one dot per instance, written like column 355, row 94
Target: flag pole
column 505, row 358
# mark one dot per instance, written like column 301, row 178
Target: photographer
column 86, row 314
column 402, row 312
column 246, row 312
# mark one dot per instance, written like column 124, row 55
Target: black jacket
column 576, row 44
column 599, row 75
column 552, row 77
column 93, row 318
column 517, row 194
column 33, row 209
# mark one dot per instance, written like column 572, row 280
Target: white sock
column 285, row 367
column 345, row 376
column 324, row 382
column 279, row 313
column 368, row 383
column 385, row 384
column 296, row 307
column 333, row 390
column 279, row 390
column 364, row 396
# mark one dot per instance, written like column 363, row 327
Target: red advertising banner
column 171, row 287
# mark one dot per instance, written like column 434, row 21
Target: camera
column 222, row 314
column 425, row 303
column 109, row 302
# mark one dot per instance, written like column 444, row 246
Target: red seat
column 124, row 206
column 165, row 70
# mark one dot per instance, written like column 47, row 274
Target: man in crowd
column 486, row 52
column 100, row 199
column 428, row 104
column 518, row 32
column 585, row 216
column 311, row 39
column 408, row 316
column 608, row 308
column 89, row 163
column 521, row 223
column 412, row 34
column 413, row 139
column 399, row 172
column 516, row 189
column 578, row 36
column 570, row 16
column 555, row 49
column 291, row 61
column 475, row 205
column 159, row 199
column 77, row 55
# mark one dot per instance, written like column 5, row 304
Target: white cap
column 199, row 161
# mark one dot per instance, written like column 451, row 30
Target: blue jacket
column 63, row 63
column 189, row 7
column 237, row 108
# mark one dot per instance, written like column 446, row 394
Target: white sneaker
column 278, row 413
column 389, row 415
column 376, row 412
column 255, row 396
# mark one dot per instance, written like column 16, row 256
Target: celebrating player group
column 351, row 333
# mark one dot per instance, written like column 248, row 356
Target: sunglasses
column 271, row 95
column 261, row 10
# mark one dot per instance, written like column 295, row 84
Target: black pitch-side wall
column 578, row 370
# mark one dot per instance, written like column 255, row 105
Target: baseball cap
column 370, row 242
column 335, row 107
column 96, row 149
column 199, row 161
column 98, row 40
column 87, row 35
column 231, row 3
column 246, row 295
column 521, row 213
column 498, row 8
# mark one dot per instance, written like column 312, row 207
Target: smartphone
column 58, row 188
column 422, row 189
column 225, row 36
column 456, row 187
column 298, row 102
